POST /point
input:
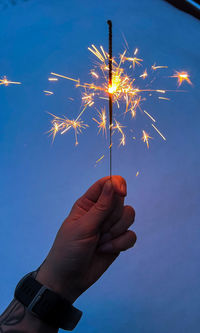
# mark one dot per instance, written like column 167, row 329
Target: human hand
column 90, row 239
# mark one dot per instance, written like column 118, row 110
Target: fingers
column 121, row 243
column 121, row 226
column 115, row 215
column 101, row 209
column 86, row 202
column 119, row 185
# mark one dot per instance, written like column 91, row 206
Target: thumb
column 101, row 209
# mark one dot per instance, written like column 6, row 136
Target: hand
column 90, row 239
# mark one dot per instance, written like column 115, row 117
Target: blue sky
column 155, row 286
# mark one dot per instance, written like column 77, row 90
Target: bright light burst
column 63, row 125
column 182, row 76
column 145, row 138
column 102, row 122
column 6, row 82
column 127, row 94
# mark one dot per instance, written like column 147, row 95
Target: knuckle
column 101, row 207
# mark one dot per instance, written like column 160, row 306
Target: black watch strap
column 47, row 305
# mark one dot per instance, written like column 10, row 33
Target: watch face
column 190, row 6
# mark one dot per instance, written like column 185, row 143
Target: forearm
column 16, row 319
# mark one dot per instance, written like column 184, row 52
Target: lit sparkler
column 113, row 83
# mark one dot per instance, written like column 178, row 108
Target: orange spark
column 182, row 76
column 124, row 92
column 119, row 127
column 134, row 60
column 6, row 82
column 102, row 122
column 146, row 138
column 62, row 125
column 144, row 75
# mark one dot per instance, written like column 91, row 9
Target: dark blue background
column 154, row 287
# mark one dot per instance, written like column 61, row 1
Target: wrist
column 64, row 289
column 43, row 301
column 16, row 318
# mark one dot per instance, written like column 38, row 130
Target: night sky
column 153, row 288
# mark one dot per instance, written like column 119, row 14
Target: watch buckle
column 36, row 298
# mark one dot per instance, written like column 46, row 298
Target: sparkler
column 111, row 89
column 118, row 88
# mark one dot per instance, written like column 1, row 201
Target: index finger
column 119, row 186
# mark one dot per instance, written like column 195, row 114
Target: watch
column 45, row 304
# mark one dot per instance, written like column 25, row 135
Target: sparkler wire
column 110, row 93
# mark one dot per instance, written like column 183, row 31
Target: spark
column 162, row 136
column 150, row 116
column 65, row 77
column 94, row 74
column 146, row 138
column 62, row 125
column 96, row 52
column 47, row 92
column 53, row 79
column 137, row 173
column 88, row 99
column 154, row 67
column 144, row 75
column 119, row 127
column 6, row 82
column 134, row 60
column 167, row 99
column 161, row 91
column 182, row 76
column 100, row 159
column 127, row 94
column 102, row 122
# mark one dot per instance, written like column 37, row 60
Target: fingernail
column 106, row 247
column 123, row 189
column 105, row 238
column 108, row 187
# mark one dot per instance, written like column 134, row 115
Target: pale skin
column 89, row 240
